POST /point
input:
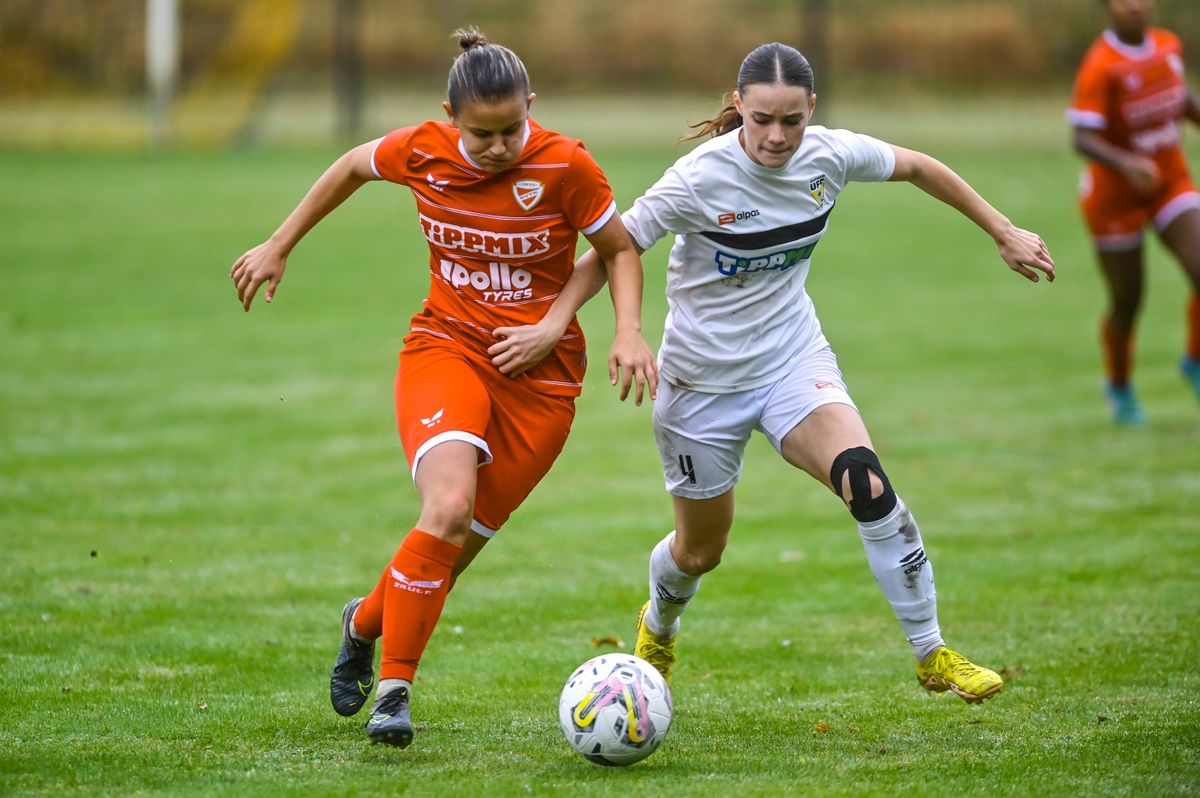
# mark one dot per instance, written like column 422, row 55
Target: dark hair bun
column 469, row 37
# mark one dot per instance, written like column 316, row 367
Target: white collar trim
column 1141, row 51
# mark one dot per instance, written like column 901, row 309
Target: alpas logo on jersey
column 528, row 192
column 816, row 189
column 783, row 260
column 485, row 242
column 731, row 218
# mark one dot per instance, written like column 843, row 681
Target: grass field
column 189, row 494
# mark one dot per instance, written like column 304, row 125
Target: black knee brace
column 860, row 462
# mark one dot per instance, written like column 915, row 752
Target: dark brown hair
column 484, row 72
column 767, row 63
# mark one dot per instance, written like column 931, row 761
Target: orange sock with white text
column 1118, row 353
column 1193, row 328
column 416, row 583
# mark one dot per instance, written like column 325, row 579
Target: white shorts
column 702, row 436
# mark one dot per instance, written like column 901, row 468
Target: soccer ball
column 615, row 709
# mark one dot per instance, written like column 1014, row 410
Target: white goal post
column 162, row 65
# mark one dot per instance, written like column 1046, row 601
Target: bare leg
column 1124, row 278
column 1182, row 237
column 683, row 556
column 446, row 483
column 825, row 433
column 832, row 443
column 701, row 532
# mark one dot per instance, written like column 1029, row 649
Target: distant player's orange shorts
column 442, row 395
column 1116, row 214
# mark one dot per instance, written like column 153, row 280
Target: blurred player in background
column 743, row 349
column 486, row 386
column 1130, row 96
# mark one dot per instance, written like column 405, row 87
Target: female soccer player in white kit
column 743, row 349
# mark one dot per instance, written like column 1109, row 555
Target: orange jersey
column 501, row 244
column 1133, row 96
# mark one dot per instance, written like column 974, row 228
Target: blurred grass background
column 73, row 72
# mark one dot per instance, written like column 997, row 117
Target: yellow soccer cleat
column 948, row 670
column 658, row 651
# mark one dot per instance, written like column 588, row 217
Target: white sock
column 388, row 685
column 354, row 633
column 670, row 590
column 905, row 575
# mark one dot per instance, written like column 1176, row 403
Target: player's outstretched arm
column 1023, row 251
column 267, row 262
column 631, row 361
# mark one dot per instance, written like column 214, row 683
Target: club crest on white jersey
column 816, row 190
column 528, row 193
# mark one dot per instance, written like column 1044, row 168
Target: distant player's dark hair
column 484, row 72
column 767, row 63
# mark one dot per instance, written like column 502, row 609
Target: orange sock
column 1118, row 353
column 1193, row 328
column 415, row 586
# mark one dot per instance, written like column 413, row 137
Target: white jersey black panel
column 738, row 312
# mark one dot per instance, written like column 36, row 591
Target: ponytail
column 727, row 119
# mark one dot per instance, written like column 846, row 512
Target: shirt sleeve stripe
column 375, row 168
column 603, row 220
column 1089, row 119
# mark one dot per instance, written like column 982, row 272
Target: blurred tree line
column 97, row 47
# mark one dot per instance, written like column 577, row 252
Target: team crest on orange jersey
column 528, row 193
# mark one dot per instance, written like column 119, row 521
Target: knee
column 696, row 553
column 1126, row 305
column 698, row 561
column 858, row 478
column 448, row 513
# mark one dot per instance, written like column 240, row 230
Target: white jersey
column 738, row 313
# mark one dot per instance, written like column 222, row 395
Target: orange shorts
column 442, row 395
column 1116, row 214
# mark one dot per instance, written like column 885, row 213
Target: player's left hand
column 631, row 361
column 1024, row 252
column 518, row 349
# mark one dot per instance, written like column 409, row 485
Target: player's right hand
column 631, row 362
column 1142, row 173
column 518, row 349
column 263, row 264
column 1025, row 252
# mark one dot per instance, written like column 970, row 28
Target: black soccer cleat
column 390, row 721
column 354, row 671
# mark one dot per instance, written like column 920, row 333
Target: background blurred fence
column 236, row 55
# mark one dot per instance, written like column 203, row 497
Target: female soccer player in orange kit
column 491, row 366
column 1129, row 98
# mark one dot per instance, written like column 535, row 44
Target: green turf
column 188, row 495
